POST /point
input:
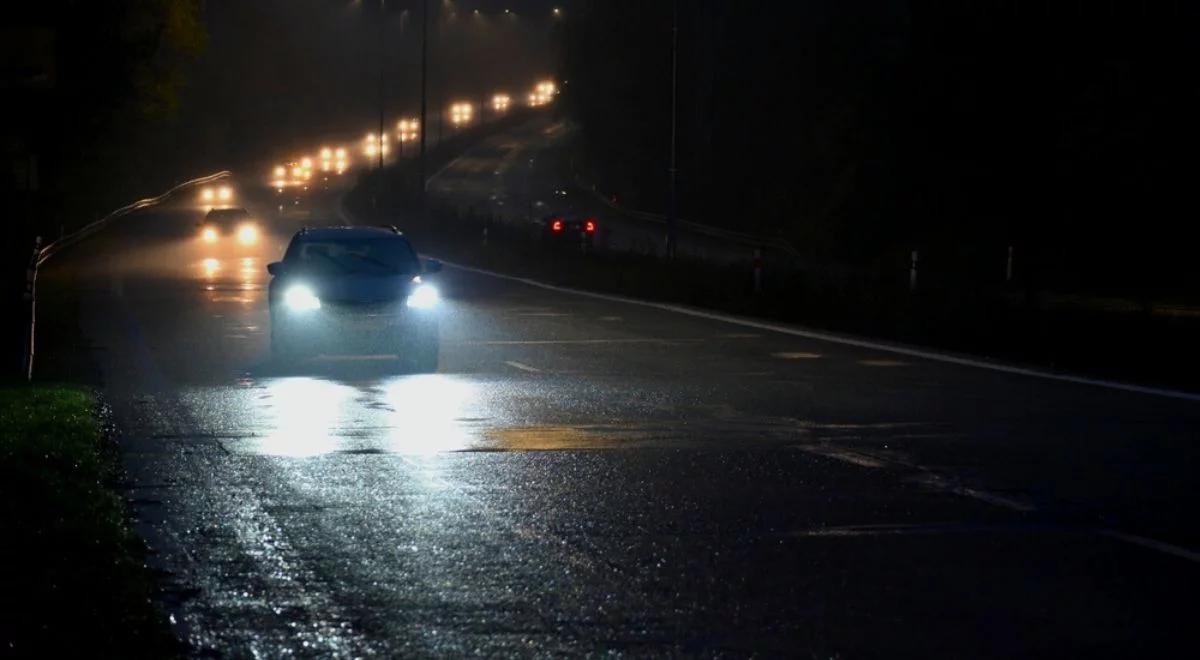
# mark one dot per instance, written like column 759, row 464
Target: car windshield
column 376, row 256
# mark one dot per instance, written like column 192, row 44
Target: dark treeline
column 89, row 122
column 93, row 89
column 861, row 130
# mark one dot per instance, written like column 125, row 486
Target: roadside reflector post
column 758, row 267
column 912, row 273
column 485, row 234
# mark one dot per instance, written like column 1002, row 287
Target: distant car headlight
column 225, row 193
column 247, row 234
column 209, row 235
column 425, row 296
column 207, row 194
column 300, row 298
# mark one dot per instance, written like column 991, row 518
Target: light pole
column 672, row 202
column 424, row 72
column 378, row 144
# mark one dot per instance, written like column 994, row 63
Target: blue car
column 341, row 290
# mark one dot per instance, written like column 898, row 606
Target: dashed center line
column 882, row 363
column 523, row 367
column 796, row 355
column 568, row 342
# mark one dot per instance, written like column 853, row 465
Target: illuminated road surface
column 585, row 476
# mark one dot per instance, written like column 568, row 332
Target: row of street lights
column 377, row 146
column 460, row 113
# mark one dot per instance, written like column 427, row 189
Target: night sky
column 279, row 72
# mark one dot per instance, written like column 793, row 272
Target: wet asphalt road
column 589, row 476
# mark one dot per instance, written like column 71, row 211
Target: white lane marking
column 923, row 476
column 739, row 335
column 545, row 314
column 882, row 363
column 366, row 357
column 796, row 355
column 926, row 354
column 844, row 455
column 993, row 499
column 611, row 318
column 1167, row 548
column 546, row 342
column 523, row 367
column 902, row 529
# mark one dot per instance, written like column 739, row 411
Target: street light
column 542, row 93
column 407, row 131
column 460, row 113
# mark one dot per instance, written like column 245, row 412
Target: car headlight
column 206, row 194
column 247, row 234
column 425, row 296
column 209, row 235
column 300, row 298
column 225, row 193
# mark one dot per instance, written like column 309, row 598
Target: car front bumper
column 334, row 330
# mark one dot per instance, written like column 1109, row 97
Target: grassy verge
column 74, row 577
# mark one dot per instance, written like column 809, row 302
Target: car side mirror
column 275, row 268
column 432, row 266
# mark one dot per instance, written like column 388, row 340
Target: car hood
column 356, row 289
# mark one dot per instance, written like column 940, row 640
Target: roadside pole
column 758, row 270
column 423, row 126
column 672, row 203
column 912, row 273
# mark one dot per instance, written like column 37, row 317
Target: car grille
column 365, row 310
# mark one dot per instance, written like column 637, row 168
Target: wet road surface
column 588, row 476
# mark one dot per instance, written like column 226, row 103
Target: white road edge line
column 846, row 340
column 1166, row 548
column 523, row 367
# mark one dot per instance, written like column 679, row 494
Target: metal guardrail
column 43, row 253
column 91, row 228
column 743, row 238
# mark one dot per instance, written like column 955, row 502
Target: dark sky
column 279, row 73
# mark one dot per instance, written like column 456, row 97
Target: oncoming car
column 231, row 224
column 342, row 290
column 210, row 195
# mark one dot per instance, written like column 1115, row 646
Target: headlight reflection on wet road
column 303, row 415
column 308, row 416
column 424, row 413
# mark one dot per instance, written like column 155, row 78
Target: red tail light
column 556, row 225
column 590, row 226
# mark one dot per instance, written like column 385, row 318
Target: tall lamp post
column 424, row 75
column 379, row 147
column 672, row 202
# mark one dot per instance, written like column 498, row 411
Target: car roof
column 344, row 233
